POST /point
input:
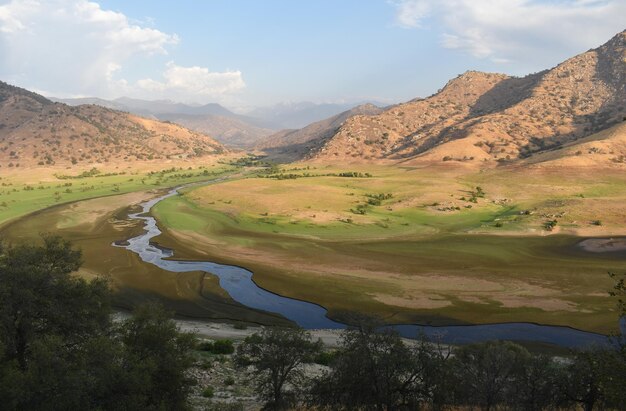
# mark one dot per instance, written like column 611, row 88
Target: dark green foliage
column 377, row 199
column 277, row 356
column 278, row 174
column 208, row 392
column 223, row 347
column 59, row 349
column 377, row 370
column 549, row 225
column 325, row 357
column 360, row 209
column 619, row 291
column 488, row 373
column 217, row 346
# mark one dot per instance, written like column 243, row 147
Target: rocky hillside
column 607, row 147
column 212, row 119
column 493, row 117
column 293, row 144
column 35, row 131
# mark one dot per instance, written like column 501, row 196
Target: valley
column 465, row 207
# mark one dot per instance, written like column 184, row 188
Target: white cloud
column 539, row 32
column 179, row 82
column 75, row 47
column 410, row 13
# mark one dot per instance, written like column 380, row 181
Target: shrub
column 325, row 357
column 208, row 392
column 217, row 346
column 223, row 347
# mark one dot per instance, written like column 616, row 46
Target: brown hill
column 36, row 131
column 607, row 147
column 227, row 130
column 493, row 117
column 294, row 144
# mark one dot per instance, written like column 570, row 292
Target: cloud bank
column 516, row 30
column 76, row 48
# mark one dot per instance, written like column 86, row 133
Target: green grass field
column 23, row 194
column 420, row 255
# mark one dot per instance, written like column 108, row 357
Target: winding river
column 238, row 283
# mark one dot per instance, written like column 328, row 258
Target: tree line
column 374, row 370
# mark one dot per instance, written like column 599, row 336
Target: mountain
column 607, row 147
column 35, row 131
column 212, row 119
column 156, row 107
column 231, row 131
column 486, row 117
column 297, row 115
column 293, row 144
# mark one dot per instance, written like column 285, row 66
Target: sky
column 246, row 53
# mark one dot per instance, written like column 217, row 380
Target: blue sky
column 249, row 52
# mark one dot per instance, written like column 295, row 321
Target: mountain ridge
column 491, row 117
column 35, row 131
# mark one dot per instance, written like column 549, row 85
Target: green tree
column 487, row 371
column 60, row 350
column 40, row 297
column 156, row 358
column 277, row 356
column 378, row 371
column 583, row 382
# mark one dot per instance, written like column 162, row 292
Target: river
column 238, row 282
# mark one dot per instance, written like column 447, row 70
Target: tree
column 377, row 370
column 583, row 379
column 535, row 384
column 60, row 350
column 619, row 291
column 40, row 297
column 277, row 356
column 487, row 371
column 156, row 358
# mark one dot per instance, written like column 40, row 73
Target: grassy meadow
column 30, row 190
column 437, row 245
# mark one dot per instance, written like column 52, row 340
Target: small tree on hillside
column 277, row 355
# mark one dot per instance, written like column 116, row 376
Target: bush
column 217, row 347
column 223, row 347
column 208, row 392
column 325, row 357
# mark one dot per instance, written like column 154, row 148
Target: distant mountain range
column 35, row 131
column 242, row 131
column 301, row 114
column 211, row 119
column 483, row 118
